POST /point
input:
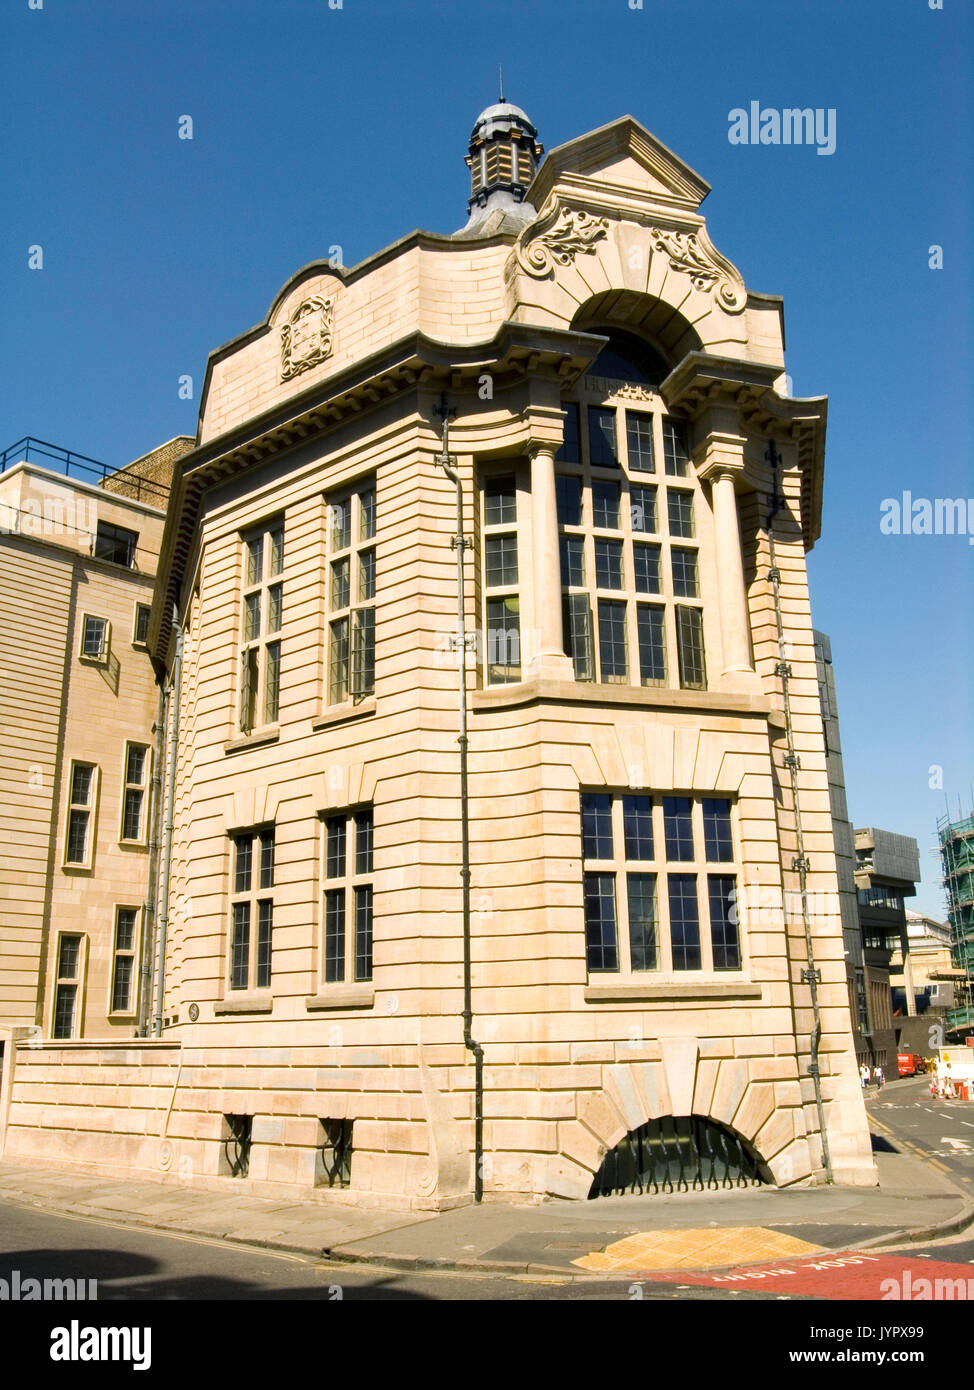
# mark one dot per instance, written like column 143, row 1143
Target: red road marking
column 849, row 1274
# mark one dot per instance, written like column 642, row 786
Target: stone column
column 719, row 459
column 548, row 657
column 734, row 622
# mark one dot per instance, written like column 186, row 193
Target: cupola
column 503, row 159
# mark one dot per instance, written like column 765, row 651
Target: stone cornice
column 518, row 352
column 703, row 381
column 542, row 691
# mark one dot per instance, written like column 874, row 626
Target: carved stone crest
column 692, row 254
column 306, row 338
column 574, row 232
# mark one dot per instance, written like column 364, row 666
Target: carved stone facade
column 692, row 254
column 618, row 520
column 574, row 233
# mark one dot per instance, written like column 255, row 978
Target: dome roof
column 500, row 117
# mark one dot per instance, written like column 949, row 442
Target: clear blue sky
column 315, row 126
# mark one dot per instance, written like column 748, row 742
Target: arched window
column 627, row 358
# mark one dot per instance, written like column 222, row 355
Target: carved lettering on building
column 306, row 338
column 610, row 389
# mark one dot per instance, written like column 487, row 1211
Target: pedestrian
column 949, row 1093
column 864, row 1075
column 878, row 1076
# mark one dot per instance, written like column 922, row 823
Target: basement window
column 236, row 1140
column 333, row 1158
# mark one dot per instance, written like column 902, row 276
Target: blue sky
column 316, row 126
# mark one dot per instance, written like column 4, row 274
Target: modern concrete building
column 876, row 871
column 887, row 872
column 651, row 968
column 845, row 853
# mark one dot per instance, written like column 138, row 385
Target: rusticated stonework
column 306, row 338
column 575, row 231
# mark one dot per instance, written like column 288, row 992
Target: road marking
column 847, row 1274
column 694, row 1248
column 533, row 1279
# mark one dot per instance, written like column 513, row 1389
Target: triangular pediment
column 623, row 155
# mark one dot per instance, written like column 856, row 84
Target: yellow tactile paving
column 696, row 1249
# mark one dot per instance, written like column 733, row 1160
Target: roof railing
column 83, row 469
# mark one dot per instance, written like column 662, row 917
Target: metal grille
column 236, row 1144
column 678, row 1154
column 334, row 1157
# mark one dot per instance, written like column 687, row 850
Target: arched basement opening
column 679, row 1153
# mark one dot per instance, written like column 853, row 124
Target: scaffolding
column 957, row 855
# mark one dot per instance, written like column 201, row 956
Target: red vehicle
column 910, row 1064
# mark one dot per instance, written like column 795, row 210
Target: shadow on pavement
column 124, row 1276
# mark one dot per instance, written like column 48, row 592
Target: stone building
column 936, row 984
column 79, row 701
column 655, row 938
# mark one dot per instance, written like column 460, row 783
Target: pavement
column 914, row 1201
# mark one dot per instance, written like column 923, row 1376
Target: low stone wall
column 101, row 1104
column 158, row 1108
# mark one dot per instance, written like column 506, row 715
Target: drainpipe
column 811, row 976
column 149, row 912
column 460, row 544
column 174, row 689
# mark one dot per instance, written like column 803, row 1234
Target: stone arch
column 681, row 1083
column 657, row 322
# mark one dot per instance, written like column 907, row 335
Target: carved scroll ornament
column 574, row 232
column 691, row 253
